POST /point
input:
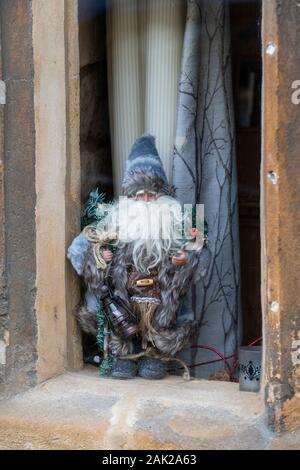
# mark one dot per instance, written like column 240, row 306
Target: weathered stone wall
column 40, row 204
column 73, row 177
column 40, row 195
column 94, row 119
column 281, row 221
column 18, row 325
column 54, row 148
column 3, row 297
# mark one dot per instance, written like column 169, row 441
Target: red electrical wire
column 211, row 362
column 231, row 370
column 209, row 348
column 256, row 341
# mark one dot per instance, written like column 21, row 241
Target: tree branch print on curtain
column 204, row 171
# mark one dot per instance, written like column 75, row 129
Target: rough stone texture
column 57, row 181
column 94, row 130
column 82, row 411
column 91, row 14
column 96, row 166
column 3, row 290
column 19, row 172
column 287, row 441
column 94, row 123
column 134, row 408
column 95, row 154
column 39, row 147
column 51, row 157
column 280, row 206
column 73, row 175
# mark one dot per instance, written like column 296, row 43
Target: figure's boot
column 123, row 369
column 151, row 368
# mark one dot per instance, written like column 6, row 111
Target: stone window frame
column 40, row 140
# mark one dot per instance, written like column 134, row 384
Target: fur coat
column 171, row 335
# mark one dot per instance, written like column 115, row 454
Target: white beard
column 153, row 229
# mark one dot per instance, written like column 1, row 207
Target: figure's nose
column 146, row 197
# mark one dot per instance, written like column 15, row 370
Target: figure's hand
column 107, row 256
column 180, row 259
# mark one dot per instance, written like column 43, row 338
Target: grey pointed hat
column 144, row 169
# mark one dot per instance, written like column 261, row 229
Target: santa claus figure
column 138, row 264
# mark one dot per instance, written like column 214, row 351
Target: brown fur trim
column 171, row 341
column 119, row 346
column 136, row 181
column 174, row 284
column 93, row 277
column 87, row 320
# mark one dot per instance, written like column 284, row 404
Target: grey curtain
column 204, row 171
column 144, row 50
